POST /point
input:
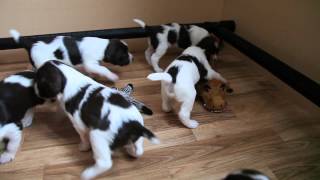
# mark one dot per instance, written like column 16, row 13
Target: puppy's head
column 211, row 45
column 49, row 81
column 117, row 53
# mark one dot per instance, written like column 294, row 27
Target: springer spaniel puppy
column 182, row 36
column 179, row 79
column 103, row 118
column 17, row 101
column 87, row 51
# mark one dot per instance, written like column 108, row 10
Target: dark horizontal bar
column 120, row 33
column 301, row 83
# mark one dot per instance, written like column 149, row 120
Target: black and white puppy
column 87, row 51
column 103, row 118
column 179, row 79
column 17, row 101
column 182, row 36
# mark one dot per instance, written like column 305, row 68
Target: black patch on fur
column 173, row 71
column 117, row 53
column 152, row 33
column 27, row 74
column 5, row 142
column 130, row 132
column 73, row 103
column 58, row 54
column 16, row 100
column 50, row 80
column 238, row 177
column 202, row 70
column 48, row 40
column 91, row 111
column 208, row 44
column 118, row 100
column 172, row 37
column 184, row 40
column 73, row 50
column 250, row 172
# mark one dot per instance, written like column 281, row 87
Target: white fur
column 153, row 56
column 14, row 135
column 91, row 49
column 19, row 79
column 184, row 90
column 100, row 140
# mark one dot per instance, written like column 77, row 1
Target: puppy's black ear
column 49, row 81
column 117, row 53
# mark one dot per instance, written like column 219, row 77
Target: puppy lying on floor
column 103, row 118
column 175, row 34
column 179, row 79
column 87, row 51
column 17, row 101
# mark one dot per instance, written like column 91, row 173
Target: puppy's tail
column 149, row 135
column 26, row 43
column 140, row 22
column 160, row 77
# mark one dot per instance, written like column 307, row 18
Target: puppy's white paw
column 113, row 77
column 158, row 70
column 191, row 124
column 87, row 174
column 166, row 108
column 6, row 157
column 84, row 147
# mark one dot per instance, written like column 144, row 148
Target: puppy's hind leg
column 155, row 57
column 185, row 110
column 149, row 51
column 135, row 149
column 101, row 71
column 102, row 155
column 14, row 136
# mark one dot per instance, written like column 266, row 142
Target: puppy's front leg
column 101, row 71
column 14, row 136
column 212, row 74
column 102, row 155
column 185, row 110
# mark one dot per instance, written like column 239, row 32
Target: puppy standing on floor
column 102, row 117
column 17, row 100
column 87, row 51
column 182, row 36
column 179, row 79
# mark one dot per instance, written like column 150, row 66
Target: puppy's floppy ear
column 117, row 53
column 49, row 81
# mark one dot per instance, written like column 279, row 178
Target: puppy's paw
column 191, row 124
column 84, row 147
column 166, row 108
column 113, row 77
column 6, row 157
column 158, row 70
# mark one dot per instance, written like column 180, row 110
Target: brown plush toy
column 212, row 93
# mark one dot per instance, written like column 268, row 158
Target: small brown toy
column 212, row 94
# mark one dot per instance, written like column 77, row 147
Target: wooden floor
column 267, row 127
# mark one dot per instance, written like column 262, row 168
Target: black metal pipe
column 301, row 83
column 120, row 33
